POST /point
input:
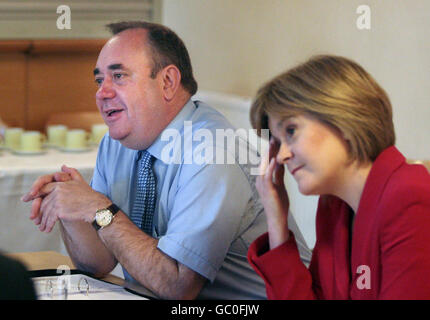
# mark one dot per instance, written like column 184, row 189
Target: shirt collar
column 177, row 124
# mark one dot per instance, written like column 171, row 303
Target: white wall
column 37, row 19
column 236, row 45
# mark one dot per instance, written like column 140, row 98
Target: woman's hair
column 337, row 92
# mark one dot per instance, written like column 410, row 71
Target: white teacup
column 31, row 141
column 57, row 135
column 12, row 138
column 76, row 139
column 98, row 131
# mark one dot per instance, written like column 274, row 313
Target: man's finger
column 45, row 190
column 49, row 214
column 45, row 212
column 35, row 208
column 50, row 222
column 39, row 183
column 72, row 172
column 43, row 180
column 62, row 177
column 38, row 217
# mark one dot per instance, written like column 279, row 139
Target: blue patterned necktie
column 144, row 204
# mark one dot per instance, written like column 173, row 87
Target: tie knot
column 145, row 159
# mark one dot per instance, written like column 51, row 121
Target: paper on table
column 80, row 287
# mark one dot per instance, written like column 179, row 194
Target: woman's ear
column 347, row 143
column 171, row 77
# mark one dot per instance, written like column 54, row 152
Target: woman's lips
column 296, row 169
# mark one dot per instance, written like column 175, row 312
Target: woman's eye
column 290, row 131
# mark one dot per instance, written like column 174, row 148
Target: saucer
column 28, row 153
column 92, row 143
column 63, row 149
column 50, row 145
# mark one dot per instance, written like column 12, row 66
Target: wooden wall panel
column 59, row 82
column 41, row 77
column 13, row 88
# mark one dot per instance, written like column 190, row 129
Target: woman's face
column 314, row 153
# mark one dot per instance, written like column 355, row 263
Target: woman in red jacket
column 331, row 127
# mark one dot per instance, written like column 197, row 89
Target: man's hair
column 337, row 92
column 166, row 49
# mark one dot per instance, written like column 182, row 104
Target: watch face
column 104, row 218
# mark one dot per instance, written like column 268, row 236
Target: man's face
column 129, row 100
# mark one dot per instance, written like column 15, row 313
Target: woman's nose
column 284, row 154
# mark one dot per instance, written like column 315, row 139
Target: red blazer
column 390, row 254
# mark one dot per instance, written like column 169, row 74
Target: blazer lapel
column 341, row 254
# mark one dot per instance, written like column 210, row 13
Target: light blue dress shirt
column 206, row 215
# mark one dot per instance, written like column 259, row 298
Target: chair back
column 425, row 163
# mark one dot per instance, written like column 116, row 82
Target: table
column 43, row 260
column 17, row 174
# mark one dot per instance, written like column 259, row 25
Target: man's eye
column 98, row 81
column 118, row 76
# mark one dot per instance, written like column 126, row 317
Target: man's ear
column 171, row 77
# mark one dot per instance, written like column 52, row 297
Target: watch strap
column 113, row 208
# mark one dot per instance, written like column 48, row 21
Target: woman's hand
column 274, row 197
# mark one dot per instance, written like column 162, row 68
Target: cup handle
column 88, row 137
column 2, row 133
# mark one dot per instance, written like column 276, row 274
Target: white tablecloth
column 17, row 174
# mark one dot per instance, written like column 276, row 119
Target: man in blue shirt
column 206, row 214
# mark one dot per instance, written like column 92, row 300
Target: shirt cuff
column 187, row 257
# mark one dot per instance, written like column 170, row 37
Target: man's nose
column 106, row 90
column 284, row 153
